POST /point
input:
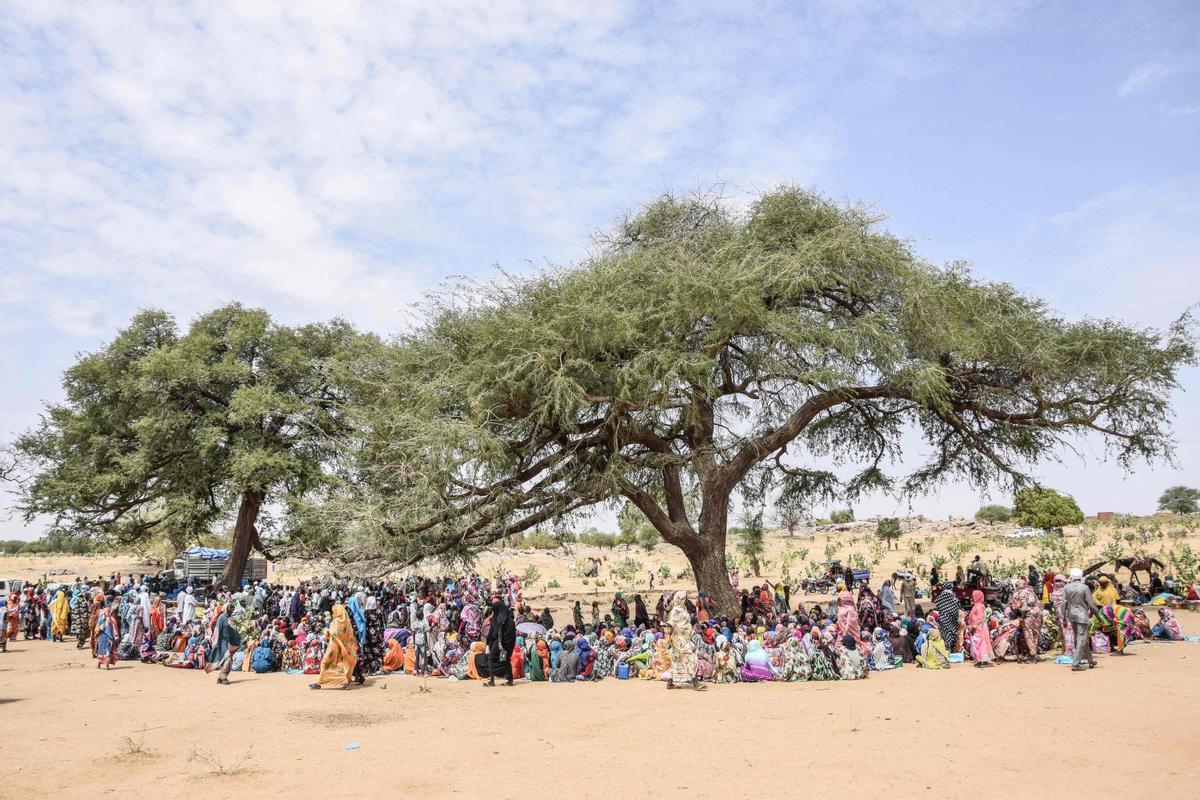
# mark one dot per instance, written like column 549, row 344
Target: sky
column 324, row 159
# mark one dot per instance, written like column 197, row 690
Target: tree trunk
column 244, row 536
column 706, row 554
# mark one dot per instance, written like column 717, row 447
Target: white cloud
column 1143, row 77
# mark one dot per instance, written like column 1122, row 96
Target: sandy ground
column 1005, row 731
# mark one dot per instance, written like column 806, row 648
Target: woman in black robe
column 501, row 639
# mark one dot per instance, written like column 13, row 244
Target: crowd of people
column 471, row 627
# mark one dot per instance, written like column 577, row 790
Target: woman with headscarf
column 933, row 652
column 158, row 616
column 1167, row 627
column 795, row 659
column 683, row 653
column 758, row 665
column 1120, row 624
column 847, row 615
column 948, row 610
column 1106, row 594
column 1004, row 637
column 501, row 638
column 1025, row 601
column 220, row 657
column 569, row 665
column 1058, row 605
column 887, row 600
column 341, row 652
column 539, row 660
column 979, row 632
column 60, row 616
column 869, row 610
column 641, row 618
column 108, row 635
column 577, row 615
column 371, row 654
column 724, row 663
column 620, row 610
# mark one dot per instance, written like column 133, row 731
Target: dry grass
column 133, row 747
column 215, row 766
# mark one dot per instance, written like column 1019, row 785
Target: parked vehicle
column 203, row 566
column 9, row 585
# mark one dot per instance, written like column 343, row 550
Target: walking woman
column 108, row 634
column 341, row 653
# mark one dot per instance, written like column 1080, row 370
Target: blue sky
column 327, row 158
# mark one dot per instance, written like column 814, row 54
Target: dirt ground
column 985, row 733
column 1004, row 731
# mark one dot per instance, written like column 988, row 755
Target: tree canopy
column 163, row 431
column 1180, row 499
column 709, row 349
column 1037, row 507
column 994, row 513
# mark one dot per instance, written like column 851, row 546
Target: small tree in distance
column 994, row 513
column 1180, row 499
column 840, row 516
column 1036, row 507
column 888, row 530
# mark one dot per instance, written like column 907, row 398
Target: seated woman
column 314, row 651
column 933, row 651
column 758, row 665
column 393, row 659
column 881, row 652
column 568, row 664
column 1168, row 627
column 724, row 663
column 852, row 665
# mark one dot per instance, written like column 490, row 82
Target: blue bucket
column 623, row 672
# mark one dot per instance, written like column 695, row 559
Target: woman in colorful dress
column 1026, row 602
column 108, row 634
column 1058, row 606
column 980, row 636
column 341, row 653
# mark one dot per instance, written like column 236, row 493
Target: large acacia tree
column 178, row 433
column 703, row 351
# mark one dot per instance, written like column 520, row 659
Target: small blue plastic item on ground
column 352, row 746
column 623, row 672
column 956, row 658
column 1064, row 660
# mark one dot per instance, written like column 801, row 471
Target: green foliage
column 1184, row 562
column 553, row 584
column 1045, row 508
column 840, row 516
column 994, row 513
column 830, row 551
column 531, row 575
column 648, row 538
column 888, row 529
column 664, row 571
column 958, row 548
column 538, row 540
column 56, row 541
column 750, row 540
column 1112, row 551
column 598, row 539
column 627, row 570
column 162, row 429
column 1180, row 499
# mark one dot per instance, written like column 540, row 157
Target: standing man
column 908, row 595
column 1079, row 607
